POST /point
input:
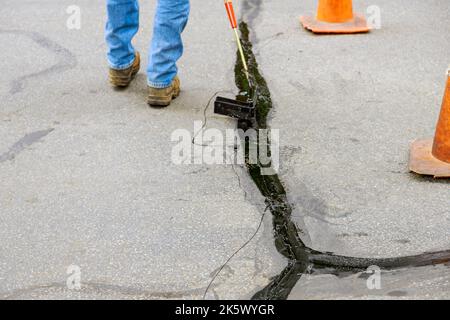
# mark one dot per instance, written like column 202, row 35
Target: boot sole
column 124, row 82
column 162, row 101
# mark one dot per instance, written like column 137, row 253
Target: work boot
column 122, row 78
column 162, row 97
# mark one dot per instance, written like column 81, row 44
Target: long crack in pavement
column 302, row 260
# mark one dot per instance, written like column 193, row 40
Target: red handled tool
column 233, row 22
column 244, row 107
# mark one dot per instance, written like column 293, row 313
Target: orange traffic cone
column 335, row 16
column 430, row 157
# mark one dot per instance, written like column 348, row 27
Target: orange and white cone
column 432, row 157
column 335, row 16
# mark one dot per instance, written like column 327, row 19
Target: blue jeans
column 166, row 46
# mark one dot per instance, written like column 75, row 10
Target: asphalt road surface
column 89, row 193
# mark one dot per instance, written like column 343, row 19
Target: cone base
column 422, row 161
column 357, row 25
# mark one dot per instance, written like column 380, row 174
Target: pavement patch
column 23, row 143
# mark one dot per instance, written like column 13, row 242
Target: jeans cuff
column 159, row 85
column 123, row 66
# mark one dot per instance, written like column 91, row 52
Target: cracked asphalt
column 348, row 107
column 87, row 179
column 86, row 173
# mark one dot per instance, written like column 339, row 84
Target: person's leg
column 121, row 26
column 166, row 46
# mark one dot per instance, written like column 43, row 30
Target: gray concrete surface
column 347, row 108
column 406, row 284
column 87, row 179
column 86, row 174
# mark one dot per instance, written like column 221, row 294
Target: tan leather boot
column 122, row 78
column 163, row 97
